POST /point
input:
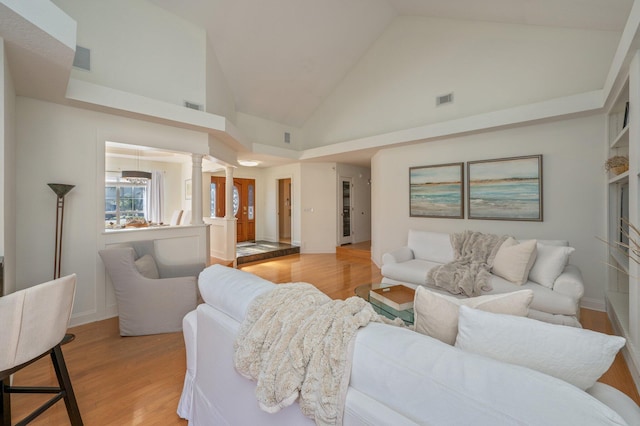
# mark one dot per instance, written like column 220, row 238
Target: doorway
column 243, row 205
column 284, row 210
column 346, row 209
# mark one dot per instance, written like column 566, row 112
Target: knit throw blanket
column 469, row 273
column 296, row 343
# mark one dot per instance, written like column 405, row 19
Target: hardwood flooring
column 138, row 380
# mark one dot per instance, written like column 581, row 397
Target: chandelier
column 136, row 176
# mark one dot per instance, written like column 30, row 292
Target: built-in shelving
column 623, row 200
column 622, row 140
column 621, row 178
column 621, row 259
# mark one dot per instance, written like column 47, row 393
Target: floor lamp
column 61, row 190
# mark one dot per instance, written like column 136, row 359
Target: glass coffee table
column 383, row 309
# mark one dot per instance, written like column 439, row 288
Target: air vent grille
column 82, row 58
column 193, row 105
column 287, row 137
column 444, row 99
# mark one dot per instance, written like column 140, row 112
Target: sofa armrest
column 616, row 400
column 400, row 255
column 570, row 282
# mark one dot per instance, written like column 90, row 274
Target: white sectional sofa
column 557, row 301
column 433, row 383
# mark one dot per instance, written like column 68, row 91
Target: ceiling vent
column 82, row 58
column 193, row 105
column 444, row 99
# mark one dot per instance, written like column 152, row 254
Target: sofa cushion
column 514, row 260
column 571, row 354
column 231, row 290
column 147, row 267
column 549, row 264
column 544, row 299
column 412, row 271
column 433, row 246
column 436, row 315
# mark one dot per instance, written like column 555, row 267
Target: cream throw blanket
column 296, row 342
column 469, row 272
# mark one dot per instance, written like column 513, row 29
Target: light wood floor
column 138, row 380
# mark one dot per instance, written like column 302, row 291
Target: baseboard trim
column 593, row 304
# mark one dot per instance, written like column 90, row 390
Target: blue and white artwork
column 507, row 189
column 437, row 191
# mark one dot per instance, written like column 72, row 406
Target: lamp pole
column 61, row 190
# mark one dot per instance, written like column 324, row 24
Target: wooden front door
column 244, row 209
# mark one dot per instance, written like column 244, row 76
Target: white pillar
column 196, row 193
column 229, row 192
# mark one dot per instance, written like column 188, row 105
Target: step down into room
column 261, row 250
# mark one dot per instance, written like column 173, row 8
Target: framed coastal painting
column 437, row 191
column 505, row 188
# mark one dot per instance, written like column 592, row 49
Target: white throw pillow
column 549, row 264
column 147, row 267
column 513, row 261
column 436, row 315
column 572, row 354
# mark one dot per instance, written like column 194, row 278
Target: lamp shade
column 60, row 189
column 135, row 174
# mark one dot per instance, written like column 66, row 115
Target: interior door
column 346, row 211
column 284, row 210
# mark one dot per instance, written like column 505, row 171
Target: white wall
column 259, row 130
column 489, row 66
column 140, row 48
column 573, row 193
column 66, row 145
column 7, row 174
column 319, row 208
column 220, row 99
column 360, row 200
column 270, row 196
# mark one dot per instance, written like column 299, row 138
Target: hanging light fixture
column 136, row 176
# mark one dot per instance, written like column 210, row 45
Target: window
column 123, row 200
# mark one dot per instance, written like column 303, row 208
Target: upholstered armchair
column 34, row 324
column 152, row 297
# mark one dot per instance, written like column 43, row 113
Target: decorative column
column 228, row 214
column 229, row 218
column 196, row 194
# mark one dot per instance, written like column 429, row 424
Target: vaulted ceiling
column 282, row 58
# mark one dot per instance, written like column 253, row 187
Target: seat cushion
column 413, row 271
column 544, row 299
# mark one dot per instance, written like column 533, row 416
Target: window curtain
column 155, row 198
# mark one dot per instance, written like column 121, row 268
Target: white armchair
column 152, row 298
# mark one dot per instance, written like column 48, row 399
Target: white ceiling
column 283, row 57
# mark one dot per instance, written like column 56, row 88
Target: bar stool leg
column 65, row 384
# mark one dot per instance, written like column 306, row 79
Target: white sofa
column 559, row 303
column 433, row 383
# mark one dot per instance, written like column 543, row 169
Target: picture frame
column 187, row 189
column 505, row 189
column 437, row 191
